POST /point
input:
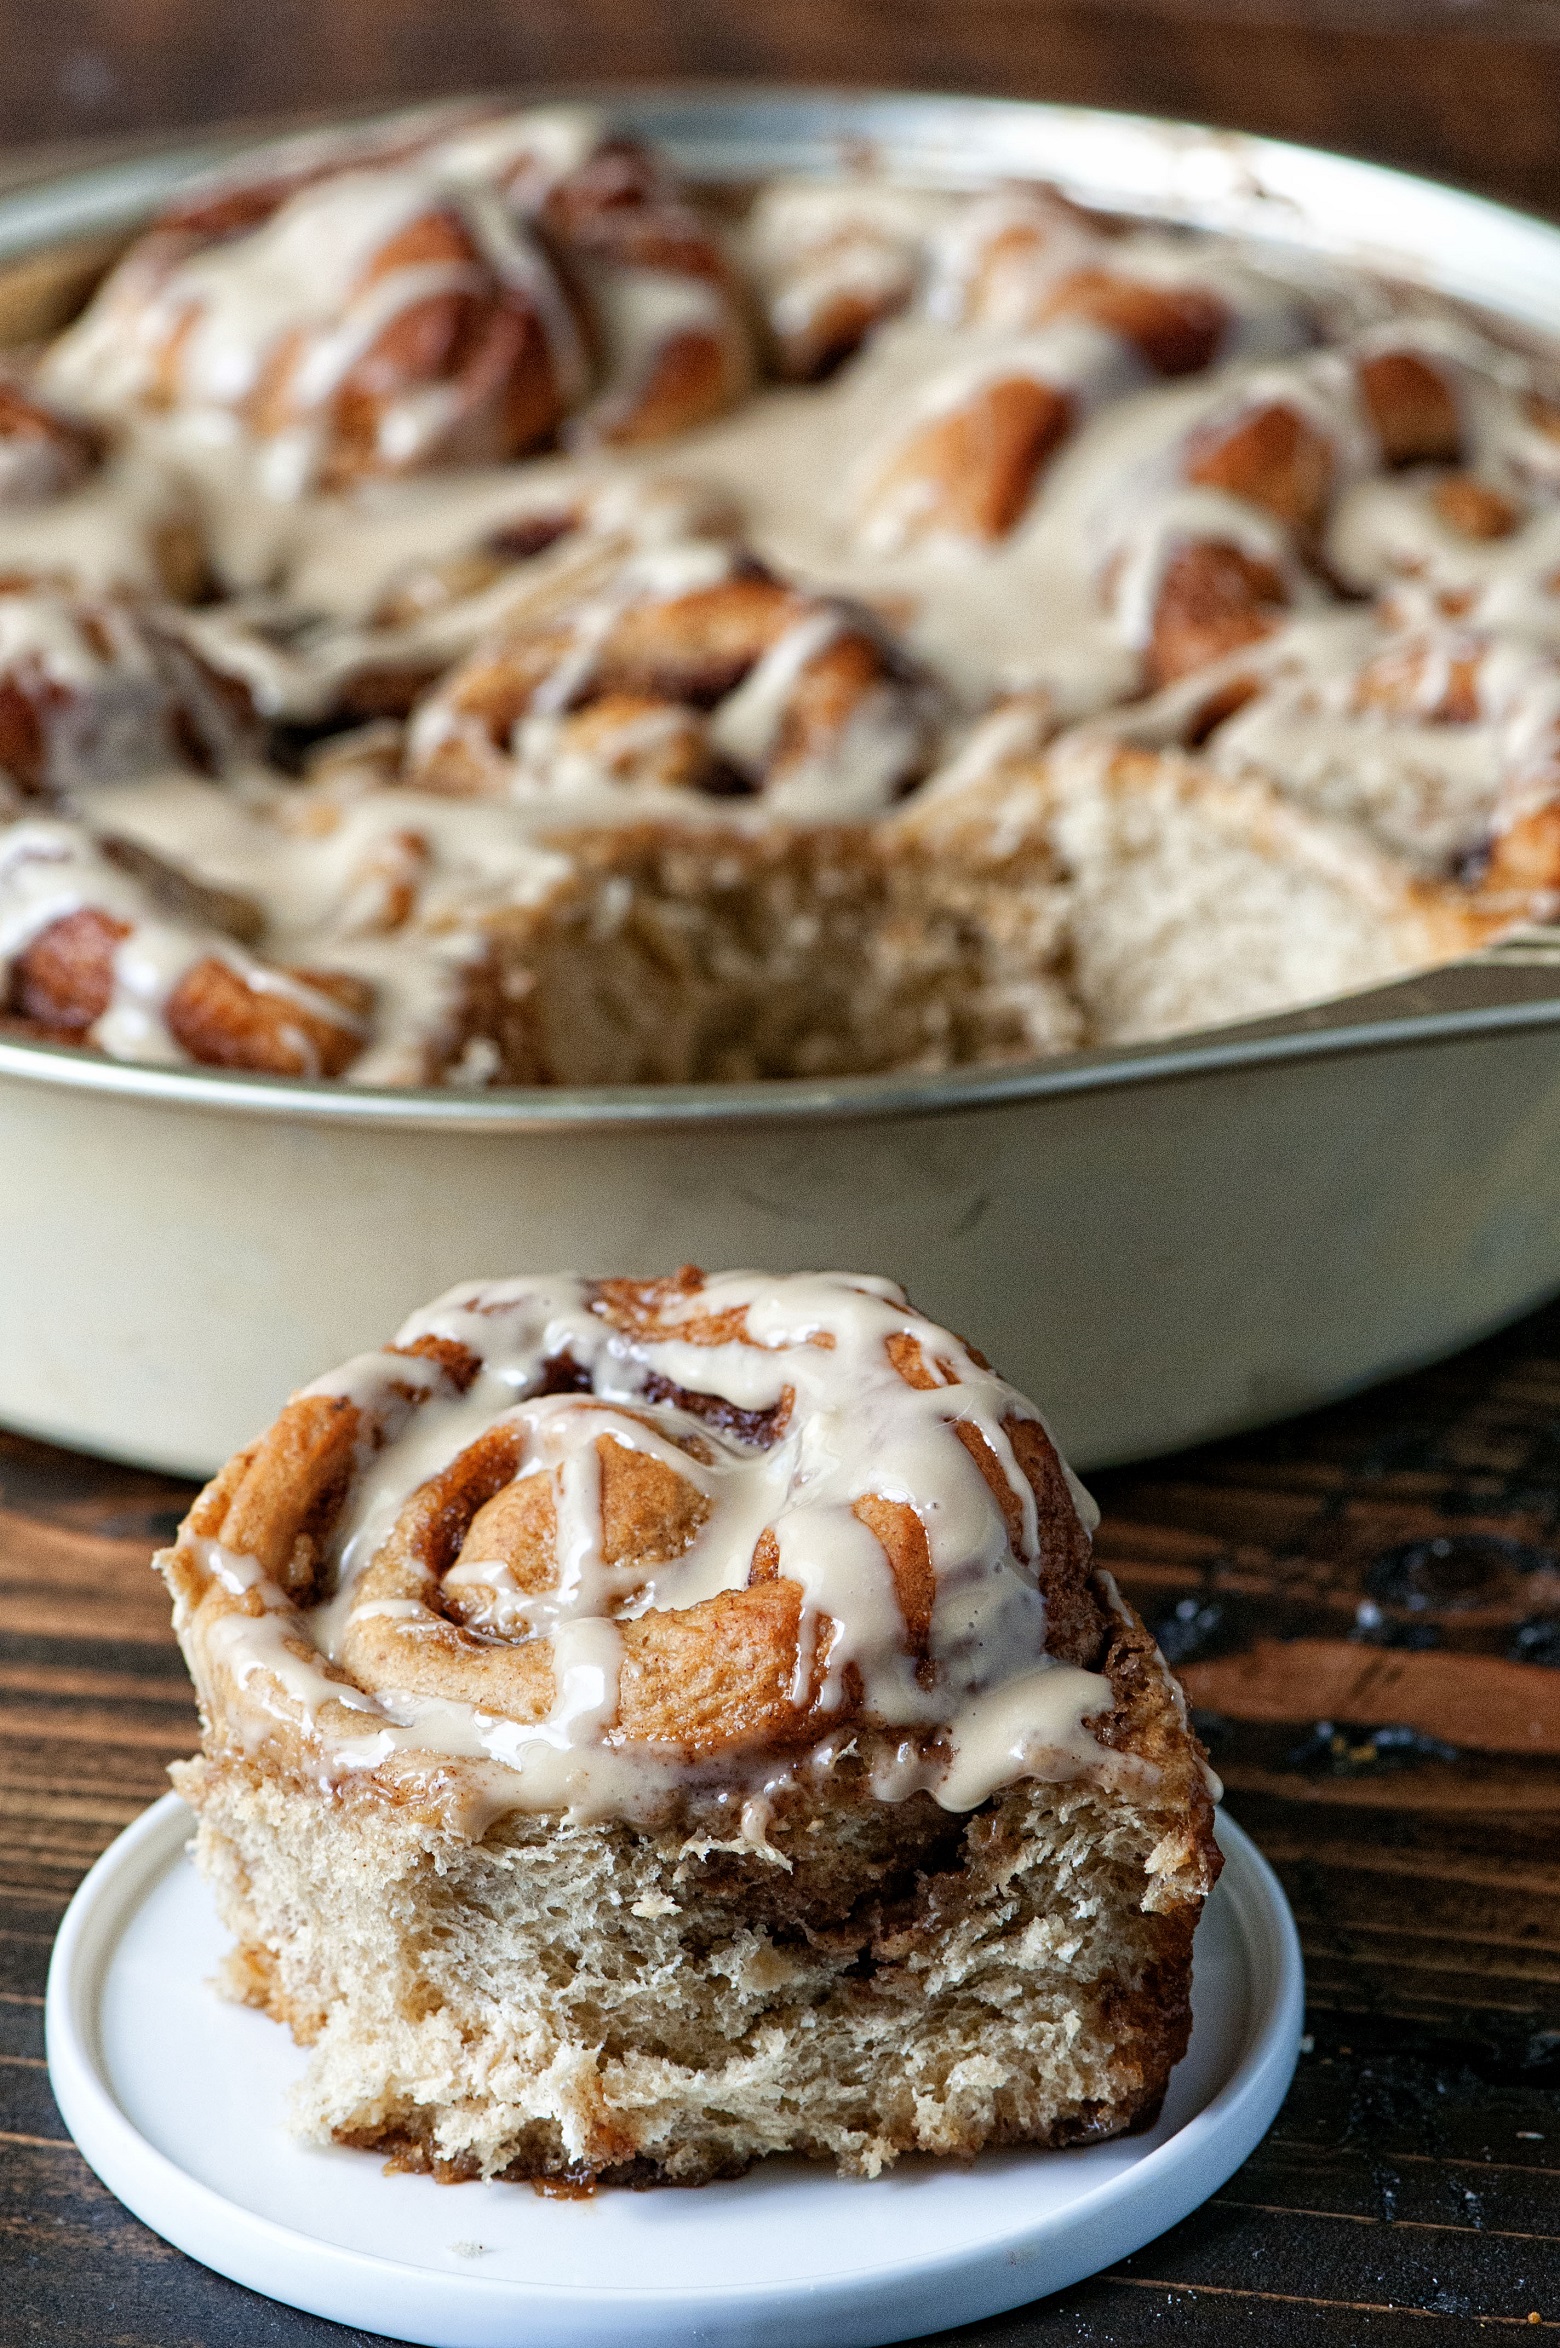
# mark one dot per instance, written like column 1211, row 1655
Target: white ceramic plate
column 177, row 2100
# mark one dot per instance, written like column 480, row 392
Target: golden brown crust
column 64, row 980
column 1473, row 509
column 310, row 1025
column 1412, row 406
column 902, row 1537
column 720, row 1677
column 303, row 1023
column 1524, row 857
column 1175, row 329
column 696, row 647
column 1272, row 457
column 1148, row 1720
column 282, row 1505
column 743, row 1669
column 1213, row 598
column 970, row 472
column 689, row 380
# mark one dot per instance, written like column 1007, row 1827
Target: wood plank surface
column 1410, row 2191
column 1465, row 89
column 1412, row 2184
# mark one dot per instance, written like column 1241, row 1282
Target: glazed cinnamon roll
column 1075, row 320
column 100, row 946
column 693, row 669
column 714, row 1658
column 425, row 586
column 1219, row 534
column 368, row 321
column 586, row 711
column 968, row 466
column 659, row 296
column 1441, row 738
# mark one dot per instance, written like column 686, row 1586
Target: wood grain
column 1465, row 89
column 1412, row 2183
column 1410, row 2191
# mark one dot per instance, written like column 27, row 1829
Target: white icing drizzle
column 393, row 886
column 986, row 1704
column 810, row 247
column 50, row 870
column 1322, row 724
column 747, row 722
column 303, row 286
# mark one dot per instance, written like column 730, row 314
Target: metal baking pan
column 1160, row 1244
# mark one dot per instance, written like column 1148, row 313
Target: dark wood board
column 1464, row 89
column 1412, row 2183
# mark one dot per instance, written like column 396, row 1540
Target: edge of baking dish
column 1466, row 246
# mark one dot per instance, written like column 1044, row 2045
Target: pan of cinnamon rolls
column 933, row 682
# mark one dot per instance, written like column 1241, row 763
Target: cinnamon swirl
column 650, row 1725
column 103, row 945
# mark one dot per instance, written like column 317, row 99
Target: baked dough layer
column 654, row 1724
column 605, row 2003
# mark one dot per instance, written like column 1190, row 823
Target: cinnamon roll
column 628, row 1703
column 1072, row 321
column 1219, row 534
column 426, row 584
column 377, row 307
column 968, row 465
column 369, row 320
column 100, row 946
column 1440, row 738
column 690, row 668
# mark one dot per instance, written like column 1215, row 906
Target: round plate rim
column 1167, row 2183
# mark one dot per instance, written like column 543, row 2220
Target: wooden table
column 1403, row 1548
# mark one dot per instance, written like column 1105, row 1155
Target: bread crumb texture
column 608, row 2003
